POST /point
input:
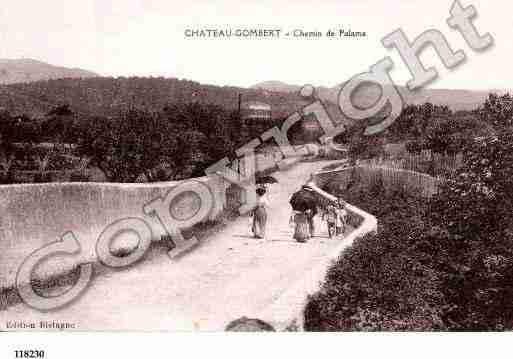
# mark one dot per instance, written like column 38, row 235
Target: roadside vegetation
column 178, row 142
column 440, row 264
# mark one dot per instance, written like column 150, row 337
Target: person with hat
column 259, row 214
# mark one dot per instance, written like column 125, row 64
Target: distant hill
column 276, row 86
column 28, row 70
column 455, row 99
column 107, row 96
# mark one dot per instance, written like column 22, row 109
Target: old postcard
column 171, row 166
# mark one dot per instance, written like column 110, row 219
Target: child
column 330, row 216
column 341, row 216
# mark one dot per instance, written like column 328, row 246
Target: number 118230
column 22, row 354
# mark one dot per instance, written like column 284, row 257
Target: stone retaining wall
column 35, row 215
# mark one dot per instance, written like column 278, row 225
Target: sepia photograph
column 257, row 166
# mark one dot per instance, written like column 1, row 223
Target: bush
column 414, row 147
column 383, row 282
column 43, row 178
column 442, row 264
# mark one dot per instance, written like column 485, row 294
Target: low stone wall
column 36, row 215
column 39, row 214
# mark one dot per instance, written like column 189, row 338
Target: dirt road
column 229, row 276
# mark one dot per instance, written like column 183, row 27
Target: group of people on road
column 305, row 207
column 335, row 216
column 303, row 216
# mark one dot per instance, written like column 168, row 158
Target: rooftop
column 256, row 105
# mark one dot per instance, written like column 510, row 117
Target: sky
column 147, row 38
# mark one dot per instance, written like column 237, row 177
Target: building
column 255, row 111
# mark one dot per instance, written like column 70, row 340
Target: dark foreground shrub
column 439, row 264
column 384, row 281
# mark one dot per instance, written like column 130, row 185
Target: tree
column 132, row 144
column 59, row 125
column 414, row 120
column 7, row 158
column 179, row 142
column 42, row 158
column 438, row 135
column 475, row 207
column 362, row 146
column 415, row 146
column 497, row 110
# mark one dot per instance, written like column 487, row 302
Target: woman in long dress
column 302, row 226
column 260, row 213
